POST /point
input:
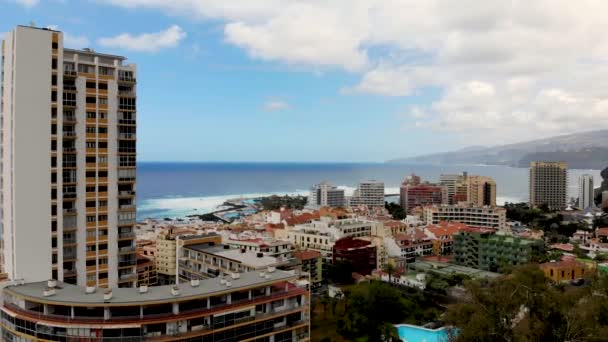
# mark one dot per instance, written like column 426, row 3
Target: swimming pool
column 413, row 333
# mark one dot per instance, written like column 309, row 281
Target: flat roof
column 248, row 258
column 68, row 294
column 450, row 269
column 94, row 53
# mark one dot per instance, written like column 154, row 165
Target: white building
column 585, row 191
column 484, row 217
column 68, row 162
column 369, row 193
column 326, row 195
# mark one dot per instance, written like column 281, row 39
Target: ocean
column 178, row 189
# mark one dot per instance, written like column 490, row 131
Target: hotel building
column 68, row 162
column 271, row 306
column 369, row 193
column 481, row 191
column 411, row 196
column 586, row 192
column 485, row 217
column 326, row 195
column 455, row 186
column 548, row 184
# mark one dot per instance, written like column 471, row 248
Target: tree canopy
column 524, row 306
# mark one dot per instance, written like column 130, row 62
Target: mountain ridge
column 584, row 150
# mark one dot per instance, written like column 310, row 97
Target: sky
column 343, row 80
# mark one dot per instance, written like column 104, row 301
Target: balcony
column 69, row 149
column 124, row 222
column 128, row 93
column 69, row 73
column 69, row 134
column 126, row 207
column 126, row 235
column 69, row 119
column 127, row 79
column 126, row 136
column 126, row 263
column 69, row 211
column 128, row 276
column 126, row 250
column 126, row 193
column 126, row 122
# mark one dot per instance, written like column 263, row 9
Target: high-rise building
column 585, row 191
column 411, row 196
column 548, row 184
column 326, row 195
column 481, row 191
column 68, row 162
column 455, row 186
column 369, row 193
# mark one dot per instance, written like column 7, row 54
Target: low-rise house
column 564, row 270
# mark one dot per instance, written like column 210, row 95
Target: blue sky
column 276, row 80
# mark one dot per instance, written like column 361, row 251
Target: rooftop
column 245, row 257
column 307, row 254
column 75, row 295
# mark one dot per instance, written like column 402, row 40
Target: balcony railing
column 127, row 263
column 126, row 135
column 127, row 193
column 126, row 235
column 126, row 206
column 69, row 133
column 126, row 221
column 69, row 210
column 127, row 79
column 127, row 249
column 69, row 149
column 128, row 276
column 126, row 122
column 71, row 73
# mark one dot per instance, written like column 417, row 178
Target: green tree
column 373, row 309
column 523, row 306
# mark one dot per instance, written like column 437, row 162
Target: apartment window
column 103, row 204
column 91, row 218
column 91, row 99
column 102, row 159
column 90, row 189
column 85, row 68
column 103, row 188
column 91, row 85
column 102, row 86
column 53, row 96
column 53, row 145
column 103, row 100
column 126, row 103
column 102, row 174
column 90, row 174
column 69, row 99
column 54, row 80
column 103, row 144
column 103, row 115
column 91, row 115
column 102, row 218
column 91, row 277
column 103, row 130
column 55, row 45
column 54, row 64
column 53, row 161
column 90, row 159
column 54, row 177
column 54, row 112
column 91, row 129
column 125, row 75
column 106, row 71
column 91, row 144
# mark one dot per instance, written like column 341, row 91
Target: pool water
column 412, row 333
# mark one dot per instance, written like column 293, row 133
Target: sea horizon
column 177, row 189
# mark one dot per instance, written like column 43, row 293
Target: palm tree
column 389, row 269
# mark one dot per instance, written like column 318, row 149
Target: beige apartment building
column 68, row 162
column 548, row 184
column 474, row 216
column 481, row 191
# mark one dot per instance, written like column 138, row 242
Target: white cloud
column 275, row 105
column 509, row 69
column 27, row 3
column 145, row 42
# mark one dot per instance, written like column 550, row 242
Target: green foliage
column 522, row 212
column 600, row 222
column 523, row 306
column 550, row 255
column 373, row 308
column 395, row 210
column 276, row 202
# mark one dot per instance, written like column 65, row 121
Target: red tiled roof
column 568, row 247
column 602, row 231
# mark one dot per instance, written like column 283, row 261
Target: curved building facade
column 254, row 306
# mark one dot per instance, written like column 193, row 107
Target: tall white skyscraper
column 585, row 191
column 68, row 162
